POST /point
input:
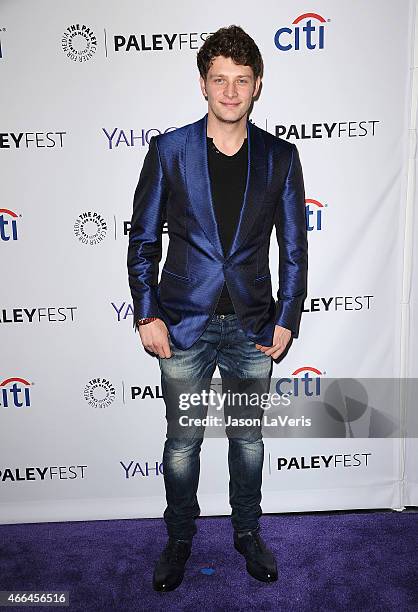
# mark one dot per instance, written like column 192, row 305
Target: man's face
column 229, row 88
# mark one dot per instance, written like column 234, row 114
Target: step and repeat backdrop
column 84, row 87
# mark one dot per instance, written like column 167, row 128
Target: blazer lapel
column 255, row 187
column 198, row 184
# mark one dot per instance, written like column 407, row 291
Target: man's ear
column 257, row 86
column 203, row 86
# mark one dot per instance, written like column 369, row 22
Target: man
column 221, row 183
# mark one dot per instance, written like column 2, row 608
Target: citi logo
column 8, row 224
column 310, row 36
column 313, row 211
column 306, row 381
column 15, row 393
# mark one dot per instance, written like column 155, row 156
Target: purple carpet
column 351, row 561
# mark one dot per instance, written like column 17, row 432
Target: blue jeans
column 225, row 344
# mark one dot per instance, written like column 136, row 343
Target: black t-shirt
column 228, row 177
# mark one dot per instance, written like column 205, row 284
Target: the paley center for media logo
column 79, row 42
column 90, row 227
column 99, row 392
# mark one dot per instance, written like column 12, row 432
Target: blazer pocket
column 262, row 278
column 174, row 276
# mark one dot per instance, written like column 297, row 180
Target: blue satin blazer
column 174, row 185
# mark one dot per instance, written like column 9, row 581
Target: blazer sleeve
column 291, row 235
column 145, row 235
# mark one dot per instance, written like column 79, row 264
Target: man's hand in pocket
column 154, row 338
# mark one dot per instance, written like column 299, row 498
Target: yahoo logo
column 131, row 138
column 310, row 36
column 145, row 469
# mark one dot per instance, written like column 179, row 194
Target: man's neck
column 228, row 137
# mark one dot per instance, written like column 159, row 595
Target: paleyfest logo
column 310, row 36
column 79, row 43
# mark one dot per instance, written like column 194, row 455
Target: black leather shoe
column 261, row 563
column 169, row 569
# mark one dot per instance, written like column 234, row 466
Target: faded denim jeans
column 225, row 344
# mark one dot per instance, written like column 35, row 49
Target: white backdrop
column 84, row 87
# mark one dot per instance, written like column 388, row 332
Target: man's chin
column 230, row 117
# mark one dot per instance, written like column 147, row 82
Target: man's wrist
column 145, row 321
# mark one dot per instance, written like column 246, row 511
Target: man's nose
column 230, row 90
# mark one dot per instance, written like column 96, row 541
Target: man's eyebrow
column 239, row 76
